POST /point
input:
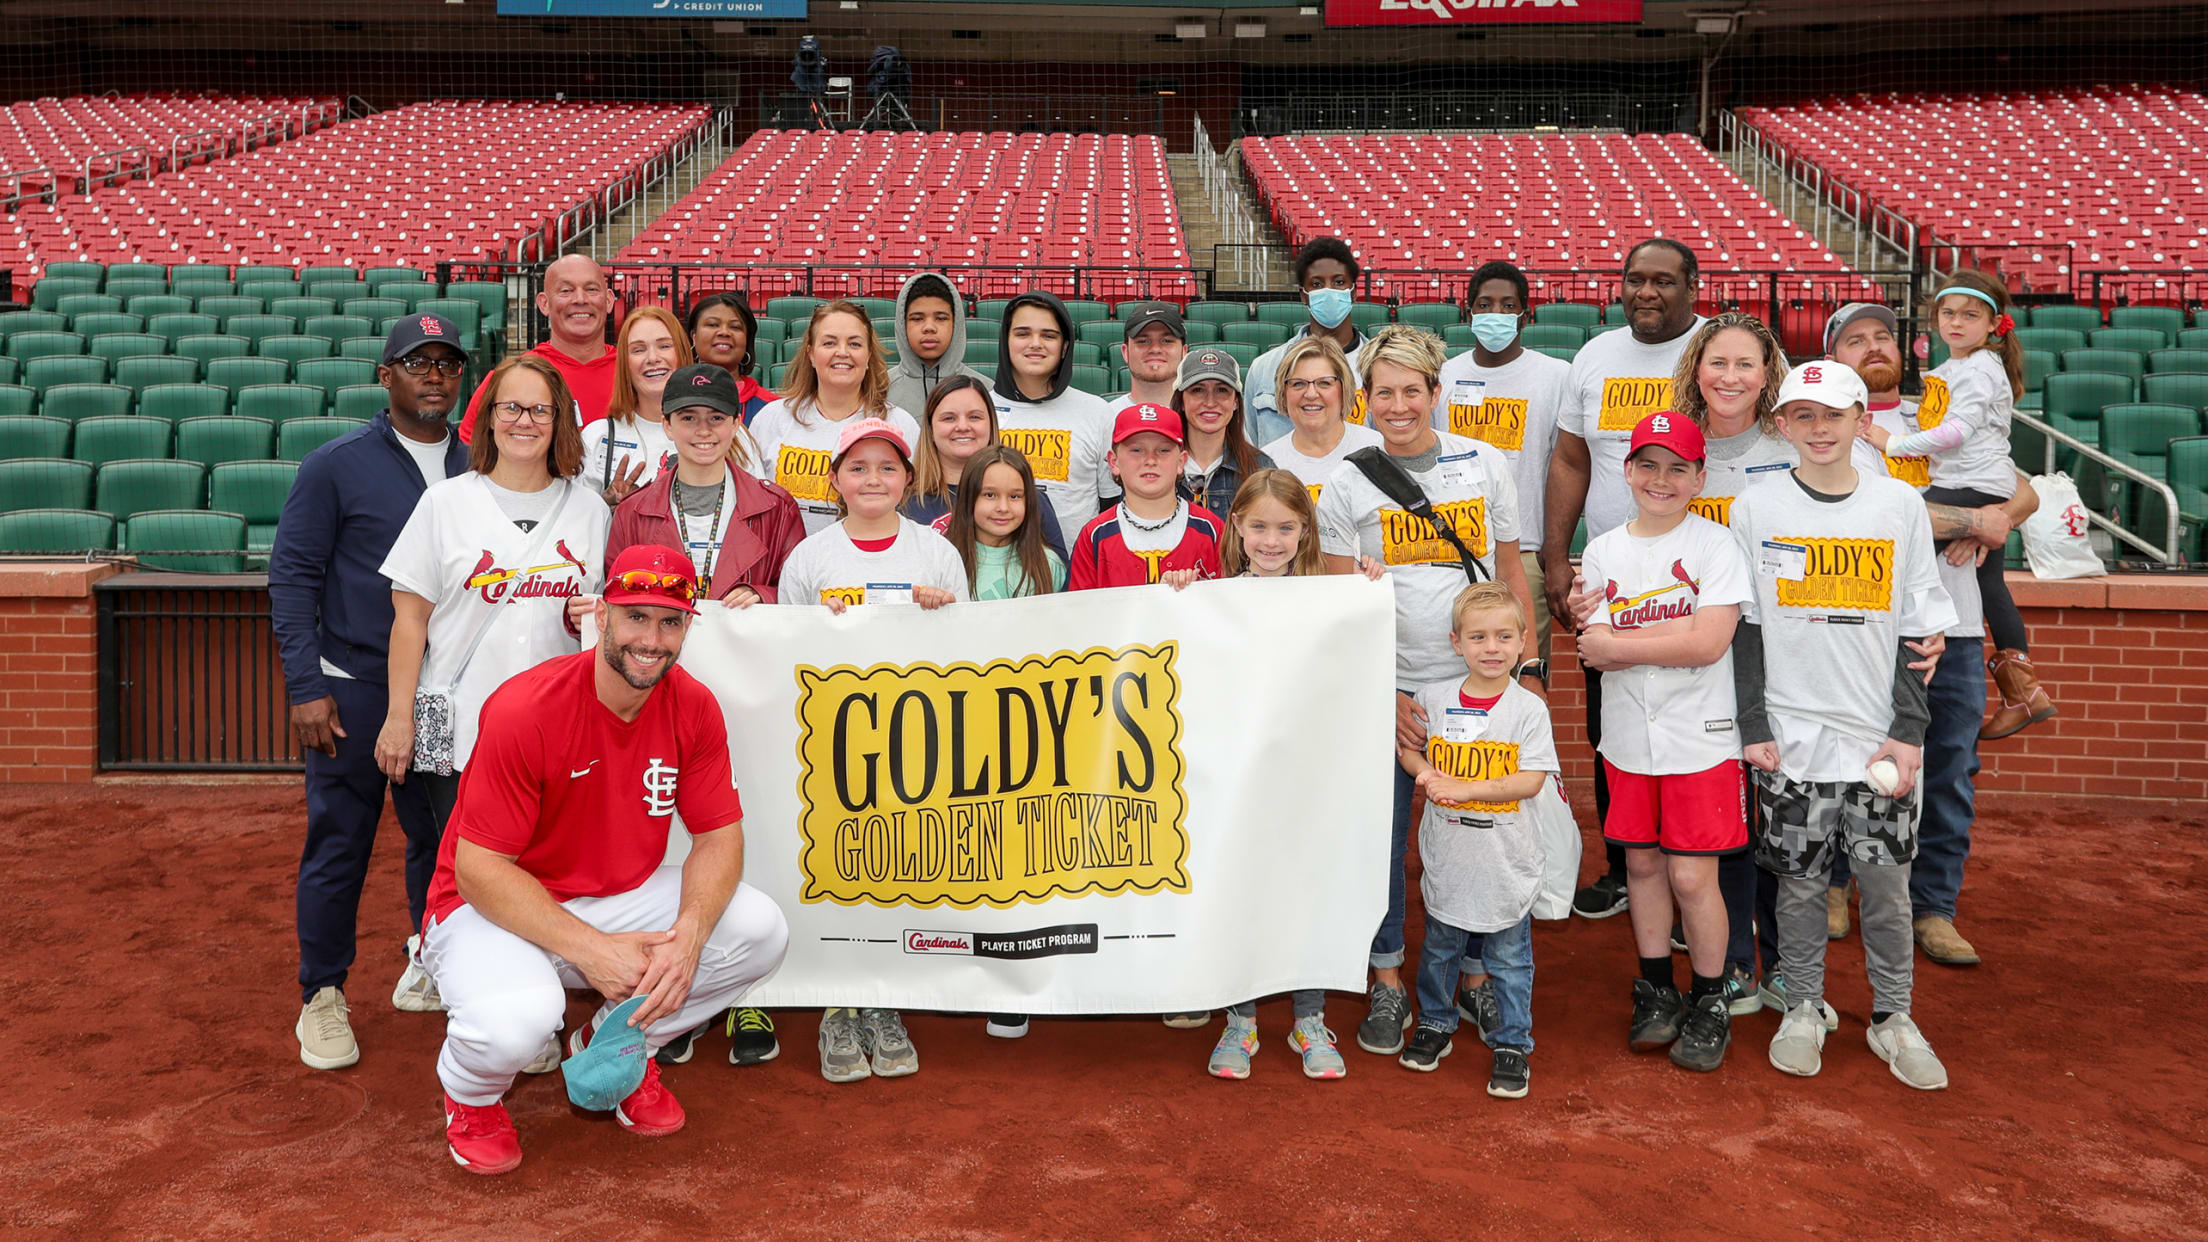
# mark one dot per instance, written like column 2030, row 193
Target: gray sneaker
column 325, row 1031
column 882, row 1034
column 1899, row 1043
column 1383, row 1027
column 1773, row 993
column 1799, row 1047
column 1481, row 1007
column 842, row 1054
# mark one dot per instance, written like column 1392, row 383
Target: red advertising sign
column 1477, row 12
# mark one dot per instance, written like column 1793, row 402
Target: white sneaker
column 548, row 1057
column 1799, row 1047
column 417, row 992
column 1899, row 1043
column 325, row 1031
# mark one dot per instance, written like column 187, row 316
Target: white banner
column 1125, row 801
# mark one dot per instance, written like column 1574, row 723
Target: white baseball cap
column 1825, row 382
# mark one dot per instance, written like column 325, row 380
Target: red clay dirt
column 156, row 1090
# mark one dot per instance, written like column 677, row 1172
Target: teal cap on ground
column 605, row 1073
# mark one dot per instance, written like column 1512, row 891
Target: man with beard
column 1153, row 344
column 551, row 875
column 330, row 607
column 1862, row 335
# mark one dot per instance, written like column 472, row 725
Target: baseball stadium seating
column 47, row 140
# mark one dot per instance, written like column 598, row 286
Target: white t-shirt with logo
column 1470, row 487
column 1512, row 407
column 1313, row 472
column 1615, row 382
column 626, row 442
column 1661, row 721
column 828, row 565
column 1734, row 463
column 1064, row 440
column 1973, row 394
column 1961, row 581
column 798, row 454
column 1483, row 860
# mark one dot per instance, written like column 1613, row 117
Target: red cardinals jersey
column 582, row 799
column 1115, row 552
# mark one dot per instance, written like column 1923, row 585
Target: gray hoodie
column 911, row 380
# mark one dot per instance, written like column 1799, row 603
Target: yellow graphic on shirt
column 1356, row 410
column 1407, row 539
column 1915, row 471
column 1932, row 411
column 1500, row 421
column 1048, row 451
column 1718, row 509
column 849, row 595
column 1627, row 400
column 803, row 473
column 1475, row 761
column 1856, row 574
column 1314, row 489
column 992, row 784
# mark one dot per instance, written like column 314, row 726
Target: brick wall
column 49, row 672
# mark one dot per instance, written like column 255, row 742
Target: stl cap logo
column 429, row 326
column 1660, row 425
column 1813, row 374
column 659, row 788
column 1149, row 413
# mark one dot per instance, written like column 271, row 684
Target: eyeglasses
column 653, row 582
column 515, row 411
column 1325, row 383
column 450, row 368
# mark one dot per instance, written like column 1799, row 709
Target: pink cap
column 1143, row 416
column 872, row 429
column 1673, row 431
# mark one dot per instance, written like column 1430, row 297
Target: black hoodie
column 1064, row 435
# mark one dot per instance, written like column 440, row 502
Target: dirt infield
column 156, row 1090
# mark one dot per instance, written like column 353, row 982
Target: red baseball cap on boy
column 1669, row 430
column 652, row 576
column 1143, row 416
column 872, row 429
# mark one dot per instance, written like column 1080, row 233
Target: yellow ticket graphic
column 1932, row 411
column 1718, row 509
column 1048, row 451
column 1475, row 761
column 1915, row 471
column 849, row 595
column 1855, row 574
column 1356, row 410
column 803, row 473
column 1628, row 400
column 995, row 784
column 1407, row 539
column 1500, row 421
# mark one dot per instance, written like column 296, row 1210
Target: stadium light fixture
column 1188, row 28
column 1247, row 29
column 1715, row 24
column 1309, row 10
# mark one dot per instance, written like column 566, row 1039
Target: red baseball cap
column 653, row 576
column 1670, row 430
column 1143, row 416
column 872, row 429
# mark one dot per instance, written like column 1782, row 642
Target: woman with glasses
column 1316, row 385
column 489, row 576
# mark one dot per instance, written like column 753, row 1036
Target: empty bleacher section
column 55, row 146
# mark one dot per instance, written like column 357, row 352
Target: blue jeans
column 1508, row 956
column 1957, row 697
column 1387, row 944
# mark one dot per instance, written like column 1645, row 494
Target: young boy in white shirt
column 1844, row 580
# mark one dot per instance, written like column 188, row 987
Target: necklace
column 1127, row 515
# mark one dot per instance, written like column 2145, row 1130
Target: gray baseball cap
column 1857, row 310
column 1209, row 362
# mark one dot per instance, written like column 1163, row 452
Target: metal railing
column 16, row 179
column 1809, row 195
column 1446, row 111
column 2168, row 553
column 114, row 166
column 1242, row 236
column 189, row 679
column 951, row 108
column 2107, row 287
column 200, row 144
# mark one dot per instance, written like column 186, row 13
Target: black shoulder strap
column 1397, row 485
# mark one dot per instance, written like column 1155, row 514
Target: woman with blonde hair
column 839, row 374
column 1315, row 388
column 623, row 451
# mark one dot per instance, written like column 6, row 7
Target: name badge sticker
column 1788, row 562
column 888, row 592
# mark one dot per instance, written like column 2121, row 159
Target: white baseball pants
column 504, row 997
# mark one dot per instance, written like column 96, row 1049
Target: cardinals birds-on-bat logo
column 1664, row 603
column 499, row 585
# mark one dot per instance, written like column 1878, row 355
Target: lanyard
column 712, row 533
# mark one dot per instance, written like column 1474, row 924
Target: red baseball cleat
column 483, row 1139
column 651, row 1110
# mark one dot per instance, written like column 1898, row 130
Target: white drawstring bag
column 2057, row 537
column 1552, row 818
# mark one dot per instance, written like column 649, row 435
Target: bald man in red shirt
column 578, row 301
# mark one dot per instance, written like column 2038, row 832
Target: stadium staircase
column 1219, row 210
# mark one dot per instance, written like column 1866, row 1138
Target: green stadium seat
column 2038, row 365
column 44, row 483
column 120, row 345
column 987, row 371
column 780, row 370
column 17, row 400
column 793, row 310
column 177, row 402
column 1200, row 332
column 2073, row 400
column 124, row 438
column 767, row 353
column 224, row 438
column 269, row 288
column 13, row 322
column 33, row 435
column 412, row 295
column 2193, row 338
column 192, row 540
column 980, row 351
column 1242, row 352
column 256, row 328
column 77, row 402
column 1455, row 334
column 373, row 310
column 95, row 324
column 466, row 314
column 118, row 273
column 1263, row 335
column 1090, row 354
column 369, row 347
column 360, row 401
column 1565, row 352
column 263, row 271
column 147, row 305
column 879, row 308
column 49, row 291
column 1105, row 332
column 2114, row 361
column 772, row 329
column 237, row 374
column 339, row 292
column 127, row 487
column 29, row 345
column 1082, row 310
column 1435, row 315
column 2139, row 436
column 2188, row 477
column 212, row 348
column 1368, row 316
column 1290, row 315
column 340, row 327
column 302, row 308
column 281, row 403
column 131, row 290
column 175, row 328
column 378, row 277
column 301, row 436
column 489, row 297
column 1557, row 335
column 54, row 370
column 2178, row 361
column 1578, row 314
column 87, row 304
column 255, row 491
column 293, row 348
column 10, row 369
column 76, row 269
column 142, row 371
column 2053, row 340
column 72, row 531
column 1092, row 379
column 331, row 374
column 2176, row 388
column 199, row 281
column 2079, row 319
column 2137, row 340
column 328, row 271
column 228, row 306
column 2167, row 320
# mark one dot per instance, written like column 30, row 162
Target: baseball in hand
column 1883, row 777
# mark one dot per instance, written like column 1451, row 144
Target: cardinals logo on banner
column 1477, row 12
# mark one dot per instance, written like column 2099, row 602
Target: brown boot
column 1942, row 943
column 2023, row 701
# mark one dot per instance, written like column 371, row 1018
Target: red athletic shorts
column 1702, row 812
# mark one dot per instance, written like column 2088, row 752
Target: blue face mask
column 1495, row 332
column 1329, row 306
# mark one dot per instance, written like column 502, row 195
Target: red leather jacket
column 766, row 527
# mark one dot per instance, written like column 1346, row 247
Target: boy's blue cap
column 605, row 1073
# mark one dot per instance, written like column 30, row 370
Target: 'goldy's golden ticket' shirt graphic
column 1856, row 574
column 1626, row 400
column 1718, row 509
column 1048, row 451
column 1407, row 539
column 803, row 473
column 1915, row 471
column 1500, row 421
column 1475, row 761
column 1932, row 410
column 992, row 784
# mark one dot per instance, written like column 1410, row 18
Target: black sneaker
column 1655, row 1017
column 1601, row 899
column 1704, row 1034
column 751, row 1035
column 1383, row 1027
column 1006, row 1025
column 1429, row 1044
column 1481, row 1007
column 1512, row 1076
column 677, row 1050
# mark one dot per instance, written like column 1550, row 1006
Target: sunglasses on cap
column 653, row 582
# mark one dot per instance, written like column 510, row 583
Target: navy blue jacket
column 327, row 596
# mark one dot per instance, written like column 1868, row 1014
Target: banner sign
column 1475, row 12
column 1125, row 801
column 695, row 10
